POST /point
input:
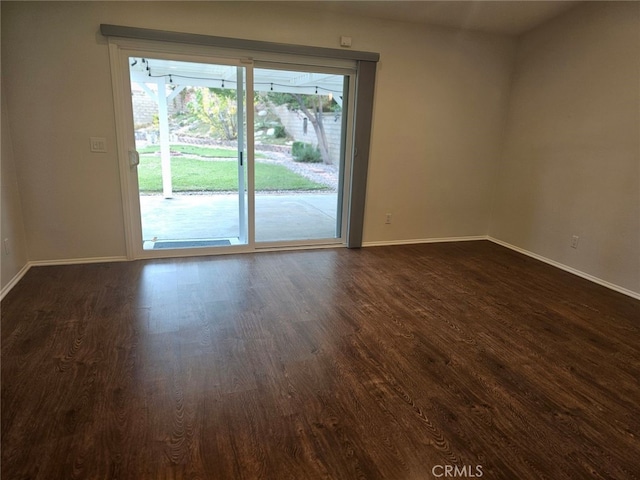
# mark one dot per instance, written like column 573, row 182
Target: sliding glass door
column 190, row 139
column 301, row 126
column 223, row 154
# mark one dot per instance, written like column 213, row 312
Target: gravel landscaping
column 317, row 172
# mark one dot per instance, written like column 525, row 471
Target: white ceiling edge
column 507, row 17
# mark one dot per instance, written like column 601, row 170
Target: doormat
column 192, row 244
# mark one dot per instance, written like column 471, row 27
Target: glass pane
column 299, row 141
column 188, row 121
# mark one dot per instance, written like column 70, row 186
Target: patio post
column 165, row 152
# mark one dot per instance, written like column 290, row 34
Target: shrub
column 279, row 132
column 296, row 148
column 305, row 152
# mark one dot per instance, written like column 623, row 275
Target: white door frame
column 120, row 49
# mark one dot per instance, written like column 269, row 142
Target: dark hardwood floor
column 393, row 362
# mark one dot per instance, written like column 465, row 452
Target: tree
column 216, row 107
column 312, row 106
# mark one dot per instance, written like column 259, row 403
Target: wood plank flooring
column 399, row 362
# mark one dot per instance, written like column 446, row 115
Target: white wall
column 571, row 163
column 11, row 225
column 57, row 87
column 440, row 105
column 441, row 100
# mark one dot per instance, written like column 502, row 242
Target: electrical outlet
column 387, row 219
column 7, row 250
column 98, row 144
column 574, row 241
column 345, row 41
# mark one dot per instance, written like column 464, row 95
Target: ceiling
column 505, row 17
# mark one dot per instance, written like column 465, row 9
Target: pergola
column 171, row 77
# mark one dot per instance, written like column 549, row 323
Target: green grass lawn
column 193, row 175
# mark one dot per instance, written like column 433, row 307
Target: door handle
column 241, row 159
column 134, row 158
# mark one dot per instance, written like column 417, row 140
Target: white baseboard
column 424, row 240
column 566, row 268
column 12, row 283
column 76, row 261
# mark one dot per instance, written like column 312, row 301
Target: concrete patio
column 279, row 217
